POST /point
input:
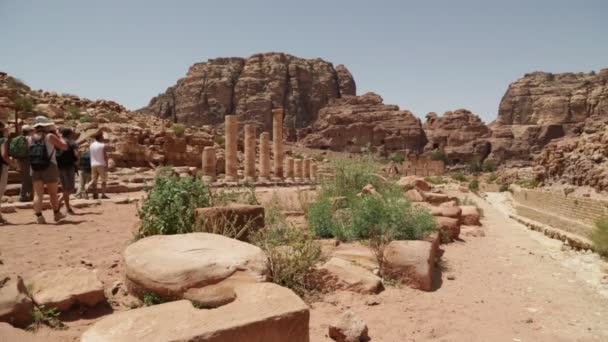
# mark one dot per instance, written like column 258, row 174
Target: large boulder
column 242, row 219
column 340, row 274
column 414, row 182
column 436, row 198
column 348, row 328
column 414, row 195
column 412, row 262
column 450, row 227
column 470, row 215
column 262, row 312
column 169, row 265
column 65, row 287
column 15, row 304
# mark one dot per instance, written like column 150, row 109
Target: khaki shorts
column 48, row 175
column 99, row 172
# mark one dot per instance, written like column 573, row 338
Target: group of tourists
column 47, row 158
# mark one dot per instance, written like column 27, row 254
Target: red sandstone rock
column 15, row 304
column 411, row 262
column 349, row 328
column 470, row 215
column 450, row 226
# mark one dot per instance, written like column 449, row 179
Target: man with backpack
column 18, row 150
column 42, row 148
column 66, row 162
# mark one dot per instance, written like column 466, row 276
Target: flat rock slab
column 262, row 312
column 340, row 274
column 356, row 253
column 15, row 305
column 411, row 262
column 169, row 265
column 65, row 287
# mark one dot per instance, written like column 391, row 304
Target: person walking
column 18, row 150
column 42, row 150
column 84, row 173
column 5, row 162
column 99, row 166
column 66, row 162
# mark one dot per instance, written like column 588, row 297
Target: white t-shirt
column 97, row 158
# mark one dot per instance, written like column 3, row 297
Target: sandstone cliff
column 542, row 98
column 251, row 87
column 352, row 123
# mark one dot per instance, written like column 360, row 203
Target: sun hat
column 42, row 121
column 26, row 127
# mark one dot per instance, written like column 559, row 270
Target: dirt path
column 508, row 286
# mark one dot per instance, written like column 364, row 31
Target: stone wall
column 568, row 213
column 423, row 167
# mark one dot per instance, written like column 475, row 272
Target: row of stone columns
column 295, row 169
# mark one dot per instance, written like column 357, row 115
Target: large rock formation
column 542, row 98
column 251, row 87
column 461, row 134
column 352, row 123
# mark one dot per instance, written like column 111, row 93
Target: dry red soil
column 506, row 286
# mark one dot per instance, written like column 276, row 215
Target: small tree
column 23, row 104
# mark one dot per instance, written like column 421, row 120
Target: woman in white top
column 45, row 175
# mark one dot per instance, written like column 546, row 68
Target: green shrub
column 320, row 218
column 350, row 176
column 73, row 112
column 435, row 180
column 459, row 177
column 179, row 130
column 43, row 316
column 220, row 140
column 474, row 185
column 152, row 299
column 474, row 166
column 528, row 183
column 503, row 187
column 86, row 118
column 440, row 154
column 170, row 205
column 397, row 158
column 493, row 177
column 15, row 83
column 600, row 236
column 488, row 165
column 291, row 252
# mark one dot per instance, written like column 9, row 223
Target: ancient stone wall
column 568, row 213
column 423, row 167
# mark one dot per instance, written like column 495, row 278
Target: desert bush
column 319, row 218
column 350, row 176
column 528, row 183
column 492, row 177
column 291, row 252
column 440, row 154
column 220, row 140
column 459, row 177
column 85, row 119
column 435, row 180
column 73, row 112
column 397, row 157
column 244, row 194
column 169, row 206
column 488, row 165
column 600, row 236
column 179, row 130
column 15, row 83
column 152, row 299
column 43, row 316
column 475, row 166
column 474, row 185
column 503, row 187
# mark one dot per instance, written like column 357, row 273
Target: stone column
column 298, row 170
column 289, row 168
column 231, row 143
column 250, row 152
column 265, row 156
column 313, row 171
column 209, row 166
column 306, row 169
column 277, row 141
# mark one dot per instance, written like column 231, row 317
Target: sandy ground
column 507, row 286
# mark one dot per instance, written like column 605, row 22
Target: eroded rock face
column 352, row 123
column 252, row 87
column 542, row 98
column 460, row 133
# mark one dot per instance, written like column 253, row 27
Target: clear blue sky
column 422, row 55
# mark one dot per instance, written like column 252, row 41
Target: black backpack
column 66, row 158
column 38, row 155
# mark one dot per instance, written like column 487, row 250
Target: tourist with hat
column 43, row 146
column 18, row 150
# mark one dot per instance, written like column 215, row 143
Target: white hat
column 42, row 121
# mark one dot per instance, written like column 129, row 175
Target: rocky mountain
column 352, row 123
column 251, row 87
